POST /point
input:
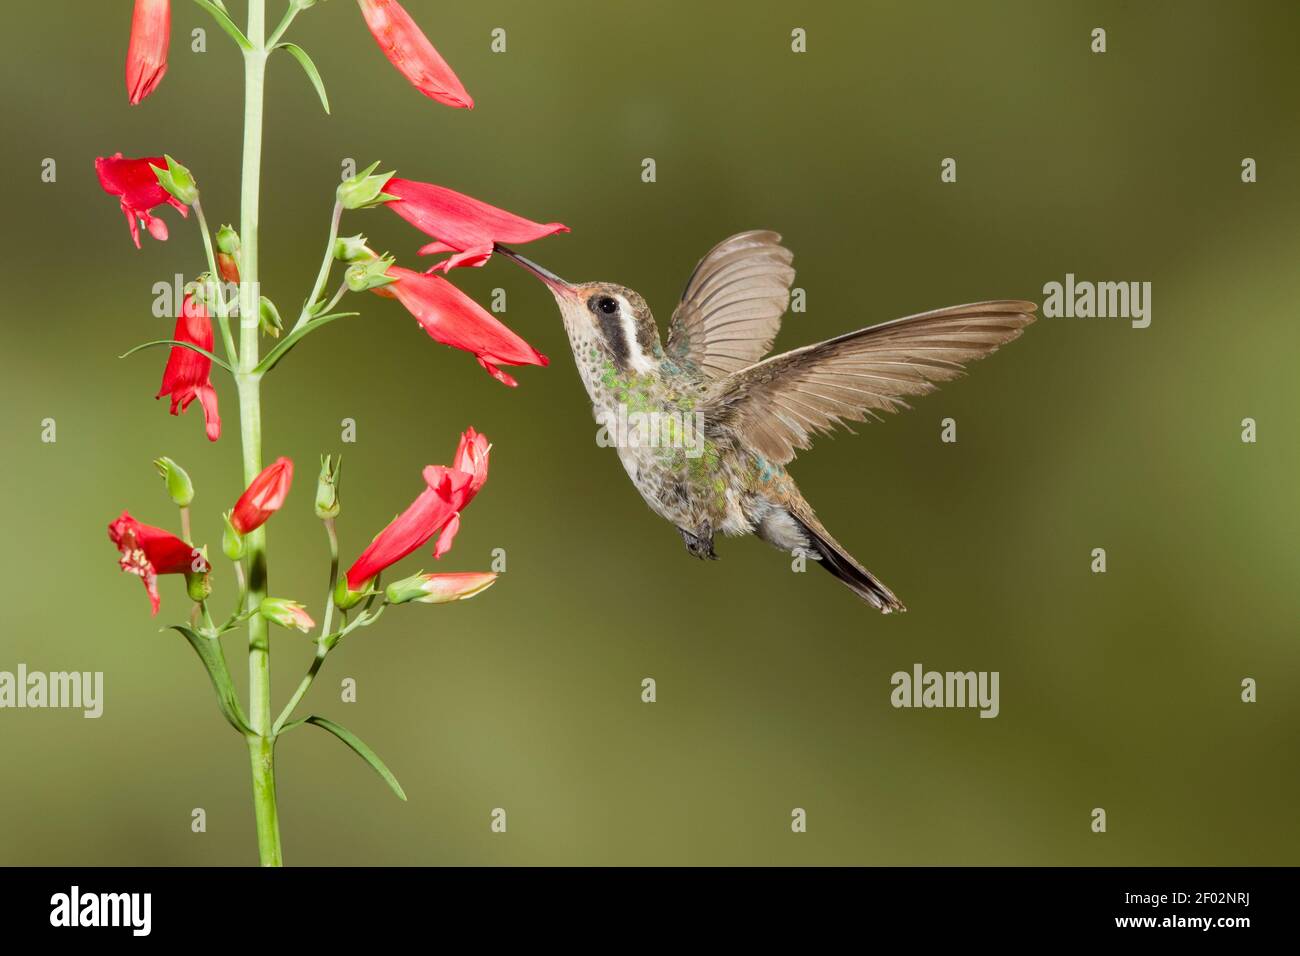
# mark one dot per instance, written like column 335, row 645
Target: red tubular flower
column 146, row 57
column 188, row 374
column 138, row 190
column 408, row 49
column 453, row 318
column 264, row 496
column 437, row 509
column 148, row 552
column 461, row 224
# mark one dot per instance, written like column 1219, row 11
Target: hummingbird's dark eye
column 606, row 304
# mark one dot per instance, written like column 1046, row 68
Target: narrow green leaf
column 309, row 68
column 355, row 742
column 292, row 339
column 223, row 20
column 214, row 661
column 185, row 345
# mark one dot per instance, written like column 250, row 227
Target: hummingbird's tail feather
column 845, row 567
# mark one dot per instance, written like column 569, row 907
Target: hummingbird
column 716, row 423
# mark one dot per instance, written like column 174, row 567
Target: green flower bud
column 327, row 487
column 178, row 482
column 270, row 317
column 372, row 274
column 228, row 240
column 439, row 588
column 352, row 249
column 176, row 179
column 365, row 189
column 232, row 542
column 286, row 613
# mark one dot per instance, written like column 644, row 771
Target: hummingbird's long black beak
column 546, row 275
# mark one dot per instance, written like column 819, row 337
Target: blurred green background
column 1118, row 690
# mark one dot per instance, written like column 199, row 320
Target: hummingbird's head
column 609, row 317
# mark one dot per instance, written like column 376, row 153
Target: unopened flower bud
column 228, row 253
column 352, row 249
column 228, row 267
column 371, row 274
column 286, row 613
column 178, row 482
column 232, row 542
column 439, row 588
column 327, row 487
column 365, row 189
column 176, row 179
column 228, row 240
column 270, row 317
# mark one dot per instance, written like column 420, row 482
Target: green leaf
column 185, row 345
column 355, row 742
column 219, row 14
column 292, row 339
column 309, row 68
column 214, row 661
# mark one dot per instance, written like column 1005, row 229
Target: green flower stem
column 284, row 25
column 223, row 318
column 326, row 264
column 333, row 534
column 327, row 640
column 342, row 291
column 322, row 650
column 261, row 743
column 242, row 581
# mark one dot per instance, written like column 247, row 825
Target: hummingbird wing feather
column 732, row 306
column 779, row 404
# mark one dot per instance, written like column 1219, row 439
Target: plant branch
column 326, row 264
column 332, row 532
column 223, row 318
column 284, row 24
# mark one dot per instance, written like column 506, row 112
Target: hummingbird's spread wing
column 777, row 405
column 733, row 303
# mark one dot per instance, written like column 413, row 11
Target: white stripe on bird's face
column 636, row 358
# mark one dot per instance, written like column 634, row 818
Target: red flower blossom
column 437, row 509
column 408, row 49
column 453, row 318
column 136, row 186
column 263, row 497
column 148, row 552
column 461, row 224
column 188, row 374
column 146, row 57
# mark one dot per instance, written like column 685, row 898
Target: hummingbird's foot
column 700, row 545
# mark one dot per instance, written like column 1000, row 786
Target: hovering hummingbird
column 755, row 412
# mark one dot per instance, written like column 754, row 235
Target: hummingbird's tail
column 843, row 565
